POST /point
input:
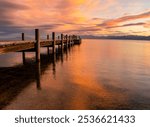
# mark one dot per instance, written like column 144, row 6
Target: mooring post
column 22, row 36
column 59, row 41
column 66, row 41
column 37, row 44
column 62, row 36
column 53, row 38
column 47, row 36
column 79, row 39
column 72, row 39
column 23, row 52
column 69, row 40
column 48, row 52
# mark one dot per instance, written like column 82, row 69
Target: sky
column 82, row 17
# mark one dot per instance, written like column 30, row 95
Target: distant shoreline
column 116, row 39
column 142, row 38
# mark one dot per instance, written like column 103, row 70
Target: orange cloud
column 115, row 22
column 147, row 24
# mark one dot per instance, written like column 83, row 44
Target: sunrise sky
column 84, row 17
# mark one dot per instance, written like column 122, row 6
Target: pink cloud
column 115, row 22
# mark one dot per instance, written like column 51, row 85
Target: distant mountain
column 130, row 37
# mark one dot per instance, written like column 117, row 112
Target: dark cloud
column 127, row 25
column 6, row 25
column 7, row 7
column 133, row 24
column 9, row 30
column 11, row 6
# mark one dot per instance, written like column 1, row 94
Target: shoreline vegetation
column 130, row 37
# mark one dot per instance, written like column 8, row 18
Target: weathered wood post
column 62, row 36
column 72, row 40
column 79, row 39
column 59, row 44
column 66, row 41
column 23, row 53
column 48, row 52
column 47, row 36
column 53, row 38
column 22, row 36
column 69, row 41
column 37, row 45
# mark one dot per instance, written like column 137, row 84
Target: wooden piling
column 48, row 51
column 47, row 36
column 23, row 52
column 37, row 45
column 66, row 41
column 22, row 36
column 69, row 41
column 58, row 39
column 53, row 44
column 62, row 36
column 79, row 40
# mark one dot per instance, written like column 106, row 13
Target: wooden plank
column 16, row 48
column 53, row 43
column 29, row 45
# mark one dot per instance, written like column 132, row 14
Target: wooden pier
column 35, row 45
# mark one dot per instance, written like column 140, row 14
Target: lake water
column 98, row 74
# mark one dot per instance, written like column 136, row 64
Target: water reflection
column 22, row 75
column 62, row 56
column 54, row 65
column 98, row 74
column 23, row 57
column 38, row 75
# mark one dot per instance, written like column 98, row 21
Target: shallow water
column 98, row 74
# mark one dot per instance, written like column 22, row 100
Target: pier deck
column 35, row 45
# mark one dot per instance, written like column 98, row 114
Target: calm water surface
column 98, row 74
